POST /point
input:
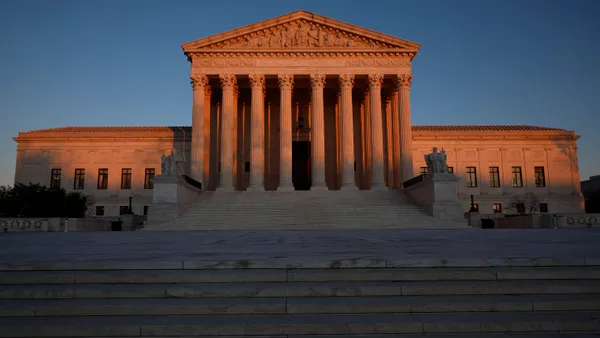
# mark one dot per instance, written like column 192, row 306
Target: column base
column 379, row 186
column 230, row 189
column 286, row 188
column 319, row 188
column 255, row 188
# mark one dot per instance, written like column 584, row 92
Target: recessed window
column 476, row 207
column 79, row 180
column 494, row 177
column 497, row 207
column 521, row 208
column 103, row 178
column 99, row 210
column 451, row 170
column 145, row 210
column 149, row 178
column 124, row 209
column 517, row 177
column 471, row 177
column 55, row 178
column 423, row 171
column 543, row 207
column 126, row 178
column 540, row 177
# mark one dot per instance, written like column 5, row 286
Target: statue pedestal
column 438, row 194
column 165, row 200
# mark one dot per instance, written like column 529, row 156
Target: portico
column 262, row 90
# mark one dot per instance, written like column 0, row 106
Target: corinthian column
column 375, row 82
column 403, row 82
column 286, row 83
column 200, row 84
column 346, row 82
column 317, row 82
column 257, row 123
column 228, row 83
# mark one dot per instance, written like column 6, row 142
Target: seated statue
column 436, row 162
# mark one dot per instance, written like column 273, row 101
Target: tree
column 524, row 205
column 35, row 200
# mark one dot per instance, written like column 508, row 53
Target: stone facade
column 301, row 102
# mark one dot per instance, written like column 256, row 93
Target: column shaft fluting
column 286, row 83
column 317, row 82
column 375, row 82
column 228, row 83
column 397, row 164
column 257, row 123
column 404, row 82
column 346, row 82
column 199, row 84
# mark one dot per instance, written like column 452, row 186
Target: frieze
column 250, row 62
column 299, row 34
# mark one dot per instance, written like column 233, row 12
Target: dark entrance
column 301, row 165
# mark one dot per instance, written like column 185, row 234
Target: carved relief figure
column 437, row 162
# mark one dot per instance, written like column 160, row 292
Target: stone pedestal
column 438, row 194
column 165, row 199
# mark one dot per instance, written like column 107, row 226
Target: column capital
column 375, row 81
column 286, row 81
column 404, row 81
column 346, row 81
column 317, row 81
column 198, row 81
column 257, row 81
column 228, row 81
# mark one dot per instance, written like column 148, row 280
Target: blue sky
column 119, row 62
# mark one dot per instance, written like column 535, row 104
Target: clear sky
column 119, row 62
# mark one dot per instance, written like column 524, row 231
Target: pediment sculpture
column 437, row 162
column 299, row 34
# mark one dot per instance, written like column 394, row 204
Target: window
column 544, row 207
column 423, row 171
column 521, row 208
column 79, row 181
column 103, row 178
column 145, row 210
column 494, row 177
column 517, row 177
column 149, row 178
column 247, row 167
column 451, row 170
column 124, row 209
column 126, row 178
column 55, row 178
column 476, row 207
column 540, row 177
column 471, row 177
column 497, row 207
column 99, row 210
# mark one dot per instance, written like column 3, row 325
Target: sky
column 119, row 62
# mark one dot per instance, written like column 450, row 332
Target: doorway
column 301, row 165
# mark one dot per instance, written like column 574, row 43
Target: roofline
column 300, row 14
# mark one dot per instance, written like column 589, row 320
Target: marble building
column 303, row 102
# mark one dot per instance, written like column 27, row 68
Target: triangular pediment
column 301, row 30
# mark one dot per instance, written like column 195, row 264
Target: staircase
column 295, row 303
column 364, row 209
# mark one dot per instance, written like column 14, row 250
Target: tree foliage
column 524, row 205
column 36, row 200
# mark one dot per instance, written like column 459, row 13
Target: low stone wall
column 524, row 221
column 54, row 224
column 578, row 220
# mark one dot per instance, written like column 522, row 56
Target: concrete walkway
column 299, row 249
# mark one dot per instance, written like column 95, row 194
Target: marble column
column 286, row 83
column 346, row 82
column 375, row 82
column 403, row 82
column 228, row 84
column 200, row 84
column 395, row 130
column 317, row 82
column 257, row 124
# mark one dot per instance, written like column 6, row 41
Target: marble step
column 299, row 275
column 144, row 326
column 299, row 289
column 383, row 335
column 290, row 305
